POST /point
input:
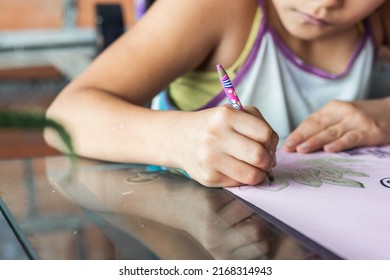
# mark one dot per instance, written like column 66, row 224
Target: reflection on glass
column 171, row 216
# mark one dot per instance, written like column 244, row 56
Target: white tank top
column 286, row 90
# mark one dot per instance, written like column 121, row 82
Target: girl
column 304, row 64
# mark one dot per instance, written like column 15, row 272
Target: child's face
column 314, row 19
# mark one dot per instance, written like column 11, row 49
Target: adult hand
column 343, row 125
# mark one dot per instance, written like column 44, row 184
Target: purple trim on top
column 290, row 55
column 247, row 64
column 262, row 5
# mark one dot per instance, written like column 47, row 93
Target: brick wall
column 27, row 14
column 42, row 14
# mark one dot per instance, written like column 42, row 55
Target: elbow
column 50, row 138
column 50, row 135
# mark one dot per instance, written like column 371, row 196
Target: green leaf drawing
column 330, row 173
column 343, row 182
column 309, row 171
column 320, row 171
column 351, row 172
column 306, row 180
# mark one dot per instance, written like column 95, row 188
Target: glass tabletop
column 102, row 210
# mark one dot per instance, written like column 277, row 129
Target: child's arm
column 102, row 109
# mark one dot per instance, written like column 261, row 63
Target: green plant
column 36, row 120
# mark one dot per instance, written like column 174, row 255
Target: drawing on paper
column 334, row 171
column 375, row 151
column 385, row 182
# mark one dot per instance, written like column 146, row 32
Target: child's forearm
column 217, row 147
column 105, row 127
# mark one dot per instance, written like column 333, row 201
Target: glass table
column 51, row 209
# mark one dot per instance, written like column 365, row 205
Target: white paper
column 341, row 201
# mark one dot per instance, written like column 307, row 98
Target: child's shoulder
column 202, row 12
column 214, row 31
column 380, row 24
column 208, row 6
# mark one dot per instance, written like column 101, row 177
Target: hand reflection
column 224, row 226
column 220, row 225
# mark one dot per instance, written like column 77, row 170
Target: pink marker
column 229, row 89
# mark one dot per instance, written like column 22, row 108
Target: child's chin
column 309, row 32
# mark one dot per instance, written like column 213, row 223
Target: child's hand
column 227, row 147
column 343, row 125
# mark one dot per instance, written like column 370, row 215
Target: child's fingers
column 274, row 138
column 266, row 135
column 313, row 125
column 322, row 138
column 230, row 173
column 253, row 111
column 249, row 151
column 214, row 179
column 256, row 128
column 349, row 140
column 274, row 144
column 241, row 172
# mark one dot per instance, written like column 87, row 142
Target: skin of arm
column 367, row 123
column 102, row 108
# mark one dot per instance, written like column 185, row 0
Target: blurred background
column 43, row 45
